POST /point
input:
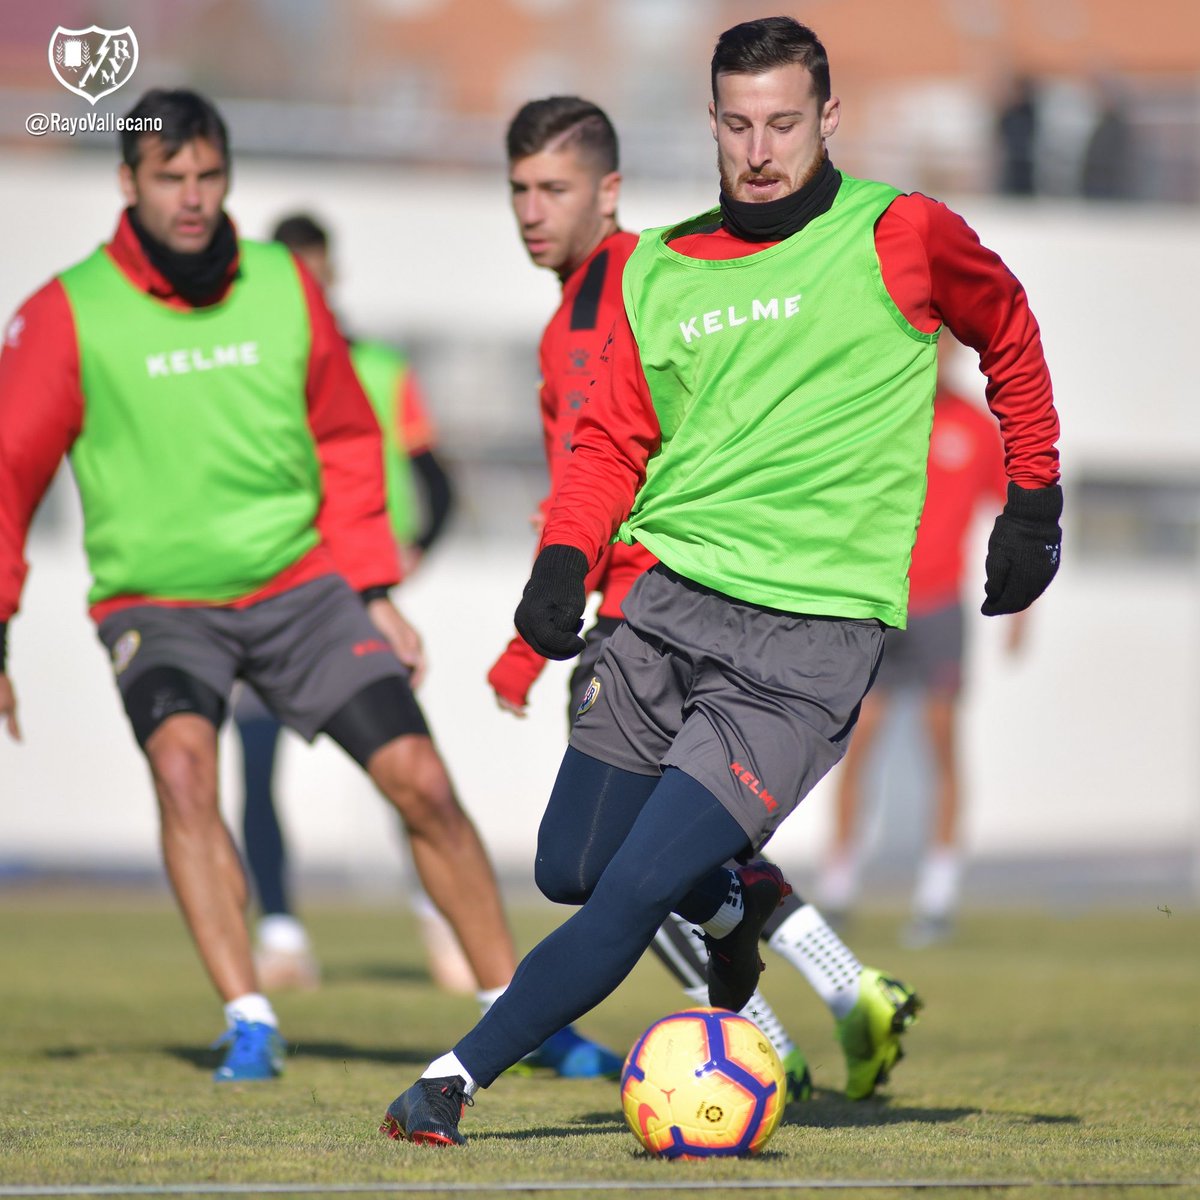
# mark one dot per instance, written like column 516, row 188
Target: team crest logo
column 93, row 62
column 590, row 696
column 124, row 648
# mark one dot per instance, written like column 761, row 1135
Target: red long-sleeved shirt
column 965, row 475
column 569, row 355
column 936, row 271
column 42, row 409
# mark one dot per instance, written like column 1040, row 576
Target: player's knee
column 183, row 762
column 563, row 870
column 561, row 880
column 411, row 775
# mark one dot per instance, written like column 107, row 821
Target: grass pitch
column 1052, row 1050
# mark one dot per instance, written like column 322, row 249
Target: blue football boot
column 255, row 1052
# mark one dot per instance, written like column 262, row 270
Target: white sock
column 828, row 964
column 488, row 996
column 727, row 918
column 448, row 1065
column 282, row 933
column 938, row 882
column 763, row 1015
column 252, row 1007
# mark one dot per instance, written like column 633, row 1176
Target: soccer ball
column 703, row 1083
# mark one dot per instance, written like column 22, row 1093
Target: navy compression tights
column 629, row 848
column 262, row 837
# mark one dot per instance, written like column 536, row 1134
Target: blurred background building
column 1066, row 131
column 432, row 82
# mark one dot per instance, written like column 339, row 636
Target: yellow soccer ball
column 703, row 1083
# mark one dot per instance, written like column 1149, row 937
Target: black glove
column 550, row 614
column 1024, row 549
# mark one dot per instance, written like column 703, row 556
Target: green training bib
column 381, row 371
column 795, row 402
column 196, row 464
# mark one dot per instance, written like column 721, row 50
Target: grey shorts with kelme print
column 306, row 651
column 756, row 705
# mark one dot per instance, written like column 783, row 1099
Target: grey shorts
column 585, row 667
column 927, row 655
column 756, row 705
column 306, row 652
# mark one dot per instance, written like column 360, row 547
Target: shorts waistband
column 703, row 590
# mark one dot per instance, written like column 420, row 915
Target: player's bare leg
column 210, row 886
column 201, row 860
column 941, row 720
column 837, row 888
column 450, row 859
column 936, row 894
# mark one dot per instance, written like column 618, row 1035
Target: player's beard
column 729, row 182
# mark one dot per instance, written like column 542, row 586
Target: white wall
column 1088, row 741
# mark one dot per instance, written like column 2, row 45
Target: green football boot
column 799, row 1081
column 870, row 1031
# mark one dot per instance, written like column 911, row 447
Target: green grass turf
column 1052, row 1048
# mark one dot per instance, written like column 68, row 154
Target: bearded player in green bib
column 235, row 523
column 761, row 425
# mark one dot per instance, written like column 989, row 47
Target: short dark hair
column 758, row 46
column 567, row 120
column 185, row 116
column 299, row 231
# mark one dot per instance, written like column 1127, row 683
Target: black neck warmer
column 199, row 277
column 774, row 220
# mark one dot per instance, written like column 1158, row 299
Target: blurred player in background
column 565, row 184
column 283, row 951
column 761, row 423
column 965, row 476
column 231, row 474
